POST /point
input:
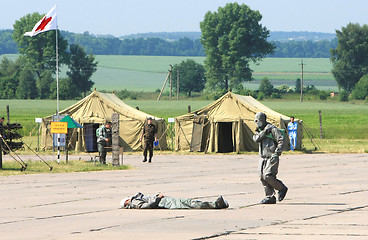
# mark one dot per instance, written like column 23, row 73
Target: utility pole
column 177, row 85
column 171, row 81
column 167, row 77
column 301, row 83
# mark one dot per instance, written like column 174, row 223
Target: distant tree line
column 135, row 46
column 304, row 49
column 7, row 44
column 110, row 45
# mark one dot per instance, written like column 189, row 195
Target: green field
column 148, row 73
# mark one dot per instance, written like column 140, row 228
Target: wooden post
column 189, row 109
column 320, row 123
column 115, row 139
column 7, row 113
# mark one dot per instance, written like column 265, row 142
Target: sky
column 123, row 17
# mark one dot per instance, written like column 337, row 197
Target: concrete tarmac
column 327, row 199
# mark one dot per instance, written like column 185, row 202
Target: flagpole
column 57, row 72
column 57, row 90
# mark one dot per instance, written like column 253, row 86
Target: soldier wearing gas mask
column 270, row 142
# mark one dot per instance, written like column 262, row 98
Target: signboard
column 59, row 127
column 171, row 120
column 38, row 120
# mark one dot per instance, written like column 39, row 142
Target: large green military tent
column 226, row 125
column 93, row 111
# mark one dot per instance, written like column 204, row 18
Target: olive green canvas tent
column 94, row 110
column 226, row 125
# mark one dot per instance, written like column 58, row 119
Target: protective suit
column 270, row 142
column 141, row 201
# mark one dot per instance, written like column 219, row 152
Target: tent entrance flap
column 225, row 137
column 90, row 138
column 197, row 134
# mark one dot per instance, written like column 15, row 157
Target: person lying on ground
column 159, row 201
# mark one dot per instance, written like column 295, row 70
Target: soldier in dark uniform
column 150, row 135
column 103, row 135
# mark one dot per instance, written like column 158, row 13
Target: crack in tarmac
column 307, row 234
column 356, row 191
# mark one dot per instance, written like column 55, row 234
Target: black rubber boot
column 282, row 193
column 221, row 203
column 269, row 200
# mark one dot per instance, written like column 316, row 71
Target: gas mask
column 260, row 120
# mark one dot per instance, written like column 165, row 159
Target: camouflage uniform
column 141, row 201
column 149, row 131
column 102, row 134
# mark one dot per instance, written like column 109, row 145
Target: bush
column 244, row 92
column 260, row 96
column 344, row 96
column 254, row 94
column 323, row 95
column 360, row 90
column 276, row 95
column 126, row 94
column 266, row 87
column 284, row 89
column 298, row 85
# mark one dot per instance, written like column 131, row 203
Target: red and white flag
column 47, row 23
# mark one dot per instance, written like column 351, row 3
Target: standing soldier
column 150, row 135
column 102, row 134
column 292, row 131
column 270, row 142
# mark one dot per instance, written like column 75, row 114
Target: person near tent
column 102, row 134
column 159, row 201
column 292, row 132
column 270, row 142
column 149, row 134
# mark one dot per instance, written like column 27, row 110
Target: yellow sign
column 59, row 127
